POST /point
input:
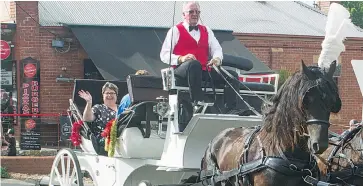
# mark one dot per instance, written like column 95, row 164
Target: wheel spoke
column 58, row 176
column 72, row 176
column 68, row 179
column 63, row 170
column 75, row 176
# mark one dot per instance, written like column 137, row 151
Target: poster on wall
column 30, row 135
column 65, row 128
column 29, row 94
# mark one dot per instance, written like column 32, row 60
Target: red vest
column 187, row 45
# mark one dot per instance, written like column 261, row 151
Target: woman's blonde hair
column 142, row 72
column 110, row 86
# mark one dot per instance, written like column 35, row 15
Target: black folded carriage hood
column 120, row 51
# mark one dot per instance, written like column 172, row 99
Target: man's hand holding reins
column 187, row 57
column 215, row 61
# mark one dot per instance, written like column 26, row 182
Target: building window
column 8, row 94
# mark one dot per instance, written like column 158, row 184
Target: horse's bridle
column 317, row 121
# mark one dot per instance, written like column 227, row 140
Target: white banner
column 6, row 78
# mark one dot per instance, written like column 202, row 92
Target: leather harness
column 346, row 173
column 281, row 164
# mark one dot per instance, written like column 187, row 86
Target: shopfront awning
column 120, row 51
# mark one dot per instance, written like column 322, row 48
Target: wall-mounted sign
column 30, row 88
column 30, row 135
column 5, row 50
column 7, row 31
column 6, row 74
column 65, row 128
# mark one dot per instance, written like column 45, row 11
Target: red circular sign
column 4, row 49
column 30, row 70
column 30, row 124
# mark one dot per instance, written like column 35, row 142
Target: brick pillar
column 324, row 5
column 26, row 40
column 27, row 29
column 12, row 10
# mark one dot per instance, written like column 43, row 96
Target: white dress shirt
column 215, row 49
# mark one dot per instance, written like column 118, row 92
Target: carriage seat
column 138, row 140
column 170, row 82
column 145, row 88
column 243, row 86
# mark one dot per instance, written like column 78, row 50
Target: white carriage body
column 161, row 159
column 185, row 150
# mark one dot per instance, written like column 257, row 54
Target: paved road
column 12, row 182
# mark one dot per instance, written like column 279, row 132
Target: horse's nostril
column 316, row 147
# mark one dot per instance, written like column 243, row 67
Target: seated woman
column 126, row 100
column 100, row 114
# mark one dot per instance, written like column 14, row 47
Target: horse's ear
column 305, row 70
column 332, row 68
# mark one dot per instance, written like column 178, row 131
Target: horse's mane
column 284, row 118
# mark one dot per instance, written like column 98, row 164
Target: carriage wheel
column 66, row 169
column 145, row 183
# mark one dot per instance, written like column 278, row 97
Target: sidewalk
column 12, row 182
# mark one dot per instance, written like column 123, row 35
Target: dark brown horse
column 342, row 162
column 279, row 152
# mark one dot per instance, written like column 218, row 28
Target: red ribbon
column 75, row 136
column 107, row 131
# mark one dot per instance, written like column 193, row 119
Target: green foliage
column 4, row 172
column 356, row 11
column 283, row 76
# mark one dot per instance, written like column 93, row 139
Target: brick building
column 280, row 34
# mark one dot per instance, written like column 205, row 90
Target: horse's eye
column 323, row 96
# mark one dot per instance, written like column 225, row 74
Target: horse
column 295, row 125
column 342, row 162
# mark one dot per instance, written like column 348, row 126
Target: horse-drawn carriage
column 158, row 146
column 166, row 143
column 159, row 152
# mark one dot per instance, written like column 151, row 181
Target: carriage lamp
column 162, row 109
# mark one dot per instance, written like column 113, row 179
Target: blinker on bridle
column 316, row 121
